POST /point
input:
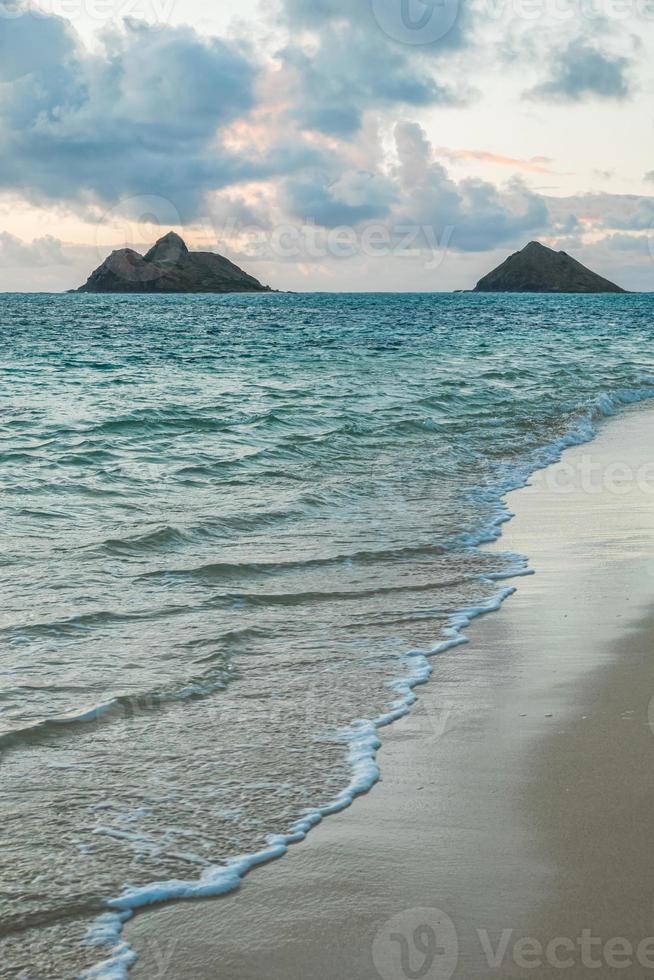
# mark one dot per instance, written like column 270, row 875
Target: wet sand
column 511, row 833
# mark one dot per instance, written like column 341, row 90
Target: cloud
column 569, row 225
column 374, row 17
column 581, row 71
column 535, row 165
column 151, row 114
column 353, row 197
column 341, row 64
column 603, row 212
column 637, row 217
column 640, row 244
column 31, row 42
column 145, row 111
column 417, row 192
column 41, row 253
column 478, row 215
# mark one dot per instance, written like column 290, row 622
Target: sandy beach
column 510, row 834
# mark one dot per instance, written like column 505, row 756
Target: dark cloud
column 582, row 70
column 141, row 113
column 31, row 41
column 353, row 197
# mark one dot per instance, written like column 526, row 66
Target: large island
column 169, row 267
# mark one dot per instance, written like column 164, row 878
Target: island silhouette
column 169, row 267
column 539, row 269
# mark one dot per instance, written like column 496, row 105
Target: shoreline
column 370, row 837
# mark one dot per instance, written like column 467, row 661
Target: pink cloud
column 535, row 165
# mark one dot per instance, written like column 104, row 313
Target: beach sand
column 516, row 808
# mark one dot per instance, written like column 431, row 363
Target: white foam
column 106, row 931
column 364, row 742
column 90, row 714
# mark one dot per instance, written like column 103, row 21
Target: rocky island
column 539, row 269
column 169, row 267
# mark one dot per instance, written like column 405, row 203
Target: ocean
column 237, row 532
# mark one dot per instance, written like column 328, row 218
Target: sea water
column 236, row 533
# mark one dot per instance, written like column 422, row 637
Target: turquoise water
column 226, row 521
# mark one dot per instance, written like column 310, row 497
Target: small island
column 539, row 269
column 169, row 267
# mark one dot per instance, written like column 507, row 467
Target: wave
column 218, row 571
column 257, row 599
column 162, row 538
column 123, row 707
column 177, row 419
column 75, row 625
column 167, row 537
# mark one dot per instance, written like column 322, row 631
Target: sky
column 327, row 144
